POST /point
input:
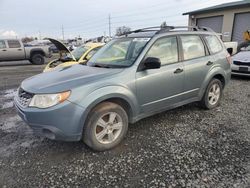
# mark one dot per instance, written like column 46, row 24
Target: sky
column 90, row 18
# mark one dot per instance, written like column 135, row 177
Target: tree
column 122, row 30
column 27, row 39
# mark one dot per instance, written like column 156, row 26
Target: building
column 230, row 19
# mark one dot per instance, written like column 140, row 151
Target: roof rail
column 167, row 28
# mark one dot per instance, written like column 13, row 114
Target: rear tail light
column 229, row 59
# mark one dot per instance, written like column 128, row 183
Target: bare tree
column 27, row 39
column 122, row 30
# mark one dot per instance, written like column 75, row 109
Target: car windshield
column 120, row 52
column 78, row 52
column 246, row 48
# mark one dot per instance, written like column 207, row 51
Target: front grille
column 242, row 63
column 24, row 97
column 237, row 71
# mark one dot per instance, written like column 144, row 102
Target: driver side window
column 165, row 49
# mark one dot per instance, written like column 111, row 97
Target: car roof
column 179, row 32
column 168, row 30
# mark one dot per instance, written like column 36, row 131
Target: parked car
column 241, row 62
column 161, row 69
column 53, row 48
column 67, row 58
column 14, row 50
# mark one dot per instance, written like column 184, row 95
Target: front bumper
column 237, row 70
column 60, row 122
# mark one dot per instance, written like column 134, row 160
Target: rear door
column 160, row 88
column 3, row 50
column 15, row 50
column 197, row 64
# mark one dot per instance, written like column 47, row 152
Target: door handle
column 4, row 50
column 19, row 49
column 210, row 63
column 179, row 70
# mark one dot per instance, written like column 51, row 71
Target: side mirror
column 88, row 57
column 230, row 51
column 152, row 63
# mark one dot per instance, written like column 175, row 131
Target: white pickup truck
column 15, row 50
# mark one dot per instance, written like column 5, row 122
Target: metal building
column 230, row 19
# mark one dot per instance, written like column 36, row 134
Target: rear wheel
column 212, row 95
column 106, row 126
column 37, row 59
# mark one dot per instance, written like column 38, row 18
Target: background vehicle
column 67, row 58
column 155, row 69
column 241, row 62
column 14, row 50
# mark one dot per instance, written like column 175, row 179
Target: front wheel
column 106, row 126
column 212, row 95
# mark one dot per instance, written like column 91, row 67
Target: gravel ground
column 184, row 147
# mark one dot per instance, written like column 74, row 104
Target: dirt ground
column 184, row 147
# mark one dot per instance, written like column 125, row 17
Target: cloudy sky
column 89, row 18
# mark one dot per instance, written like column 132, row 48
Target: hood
column 61, row 47
column 243, row 56
column 66, row 78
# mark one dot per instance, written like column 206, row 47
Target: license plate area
column 243, row 69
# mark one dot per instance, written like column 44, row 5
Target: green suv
column 134, row 76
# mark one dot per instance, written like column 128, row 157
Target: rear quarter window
column 213, row 44
column 14, row 44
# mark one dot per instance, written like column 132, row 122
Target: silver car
column 142, row 73
column 241, row 62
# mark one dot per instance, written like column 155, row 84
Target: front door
column 160, row 88
column 3, row 50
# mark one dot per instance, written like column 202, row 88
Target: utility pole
column 109, row 26
column 62, row 32
column 39, row 34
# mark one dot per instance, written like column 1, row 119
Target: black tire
column 206, row 99
column 90, row 129
column 37, row 59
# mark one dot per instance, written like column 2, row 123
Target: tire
column 37, row 59
column 212, row 95
column 106, row 126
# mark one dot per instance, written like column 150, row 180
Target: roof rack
column 165, row 28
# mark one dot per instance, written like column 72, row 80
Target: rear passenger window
column 213, row 43
column 2, row 44
column 192, row 47
column 165, row 49
column 14, row 44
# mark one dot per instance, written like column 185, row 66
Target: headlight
column 48, row 100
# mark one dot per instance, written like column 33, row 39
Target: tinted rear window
column 14, row 44
column 213, row 43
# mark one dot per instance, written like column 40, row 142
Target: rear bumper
column 60, row 122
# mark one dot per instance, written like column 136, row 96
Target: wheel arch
column 123, row 97
column 36, row 51
column 217, row 73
